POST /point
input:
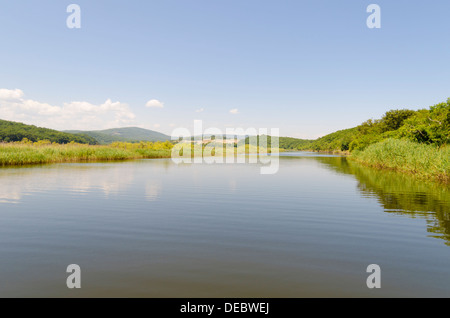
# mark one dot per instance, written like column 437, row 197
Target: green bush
column 427, row 161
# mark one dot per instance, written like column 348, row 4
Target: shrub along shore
column 421, row 160
column 414, row 142
column 26, row 152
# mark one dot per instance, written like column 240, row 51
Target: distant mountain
column 13, row 131
column 129, row 134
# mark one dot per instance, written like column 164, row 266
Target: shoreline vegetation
column 27, row 152
column 421, row 160
column 41, row 152
column 408, row 141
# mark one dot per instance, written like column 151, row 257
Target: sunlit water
column 150, row 228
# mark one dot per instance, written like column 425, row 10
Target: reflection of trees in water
column 401, row 194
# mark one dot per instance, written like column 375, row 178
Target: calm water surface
column 150, row 228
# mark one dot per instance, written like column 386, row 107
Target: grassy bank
column 24, row 153
column 27, row 152
column 424, row 161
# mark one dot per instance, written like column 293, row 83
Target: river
column 151, row 228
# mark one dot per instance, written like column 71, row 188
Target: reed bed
column 422, row 160
column 26, row 153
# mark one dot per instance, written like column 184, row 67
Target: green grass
column 422, row 160
column 16, row 154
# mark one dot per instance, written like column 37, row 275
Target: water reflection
column 156, row 229
column 109, row 178
column 401, row 194
column 152, row 190
column 397, row 193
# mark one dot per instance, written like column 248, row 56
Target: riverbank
column 42, row 152
column 26, row 153
column 421, row 160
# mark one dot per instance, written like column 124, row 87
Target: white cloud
column 234, row 111
column 199, row 110
column 7, row 94
column 72, row 115
column 152, row 191
column 33, row 106
column 156, row 125
column 154, row 103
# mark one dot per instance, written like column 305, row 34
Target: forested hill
column 13, row 131
column 287, row 143
column 128, row 134
column 426, row 126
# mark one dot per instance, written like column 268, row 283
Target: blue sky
column 306, row 67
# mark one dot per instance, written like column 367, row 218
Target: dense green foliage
column 337, row 141
column 287, row 143
column 128, row 134
column 12, row 131
column 428, row 126
column 415, row 142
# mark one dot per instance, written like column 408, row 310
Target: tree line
column 427, row 126
column 13, row 132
